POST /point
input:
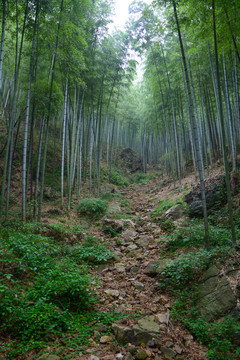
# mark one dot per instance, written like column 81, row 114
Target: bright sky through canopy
column 121, row 13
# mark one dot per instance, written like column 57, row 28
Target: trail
column 126, row 284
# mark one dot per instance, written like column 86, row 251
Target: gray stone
column 215, row 190
column 163, row 318
column 105, row 339
column 93, row 357
column 124, row 334
column 218, row 301
column 207, row 287
column 148, row 323
column 144, row 240
column 146, row 329
column 151, row 268
column 120, row 267
column 112, row 293
column 174, row 213
column 141, row 355
column 132, row 247
column 211, row 272
column 116, row 225
column 48, row 357
column 168, row 353
column 162, row 266
column 128, row 223
column 134, row 253
column 130, row 160
column 134, row 269
column 129, row 234
column 138, row 285
column 129, row 356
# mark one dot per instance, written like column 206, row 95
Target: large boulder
column 116, row 225
column 129, row 159
column 215, row 190
column 174, row 213
column 215, row 297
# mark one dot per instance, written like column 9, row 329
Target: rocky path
column 127, row 287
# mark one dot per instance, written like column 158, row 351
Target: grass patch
column 117, row 178
column 165, row 205
column 192, row 234
column 188, row 267
column 92, row 207
column 221, row 337
column 143, row 179
column 46, row 291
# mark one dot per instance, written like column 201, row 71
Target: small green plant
column 164, row 205
column 92, row 207
column 110, row 231
column 166, row 225
column 186, row 267
column 118, row 179
column 143, row 179
column 45, row 287
column 193, row 234
column 92, row 253
column 220, row 336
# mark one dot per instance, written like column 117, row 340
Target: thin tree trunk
column 24, row 171
column 223, row 132
column 2, row 41
column 63, row 141
column 197, row 145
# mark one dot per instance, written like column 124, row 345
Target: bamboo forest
column 120, row 179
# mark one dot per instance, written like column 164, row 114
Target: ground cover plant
column 142, row 178
column 192, row 234
column 45, row 286
column 92, row 207
column 165, row 205
column 180, row 277
column 118, row 178
column 221, row 337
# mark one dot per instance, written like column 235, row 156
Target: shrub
column 92, row 207
column 118, row 179
column 34, row 321
column 163, row 206
column 92, row 253
column 220, row 337
column 166, row 225
column 143, row 179
column 187, row 267
column 193, row 234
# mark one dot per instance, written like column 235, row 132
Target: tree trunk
column 195, row 131
column 230, row 209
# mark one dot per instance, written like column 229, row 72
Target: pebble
column 141, row 355
column 105, row 339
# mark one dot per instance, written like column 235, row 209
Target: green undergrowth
column 192, row 234
column 45, row 287
column 165, row 205
column 221, row 336
column 143, row 179
column 188, row 267
column 180, row 275
column 118, row 178
column 92, row 207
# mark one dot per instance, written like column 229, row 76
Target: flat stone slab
column 217, row 301
column 146, row 329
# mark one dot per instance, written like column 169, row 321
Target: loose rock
column 105, row 339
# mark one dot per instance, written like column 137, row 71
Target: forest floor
column 125, row 285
